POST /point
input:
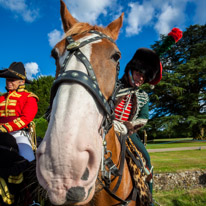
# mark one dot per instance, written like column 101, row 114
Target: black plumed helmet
column 147, row 62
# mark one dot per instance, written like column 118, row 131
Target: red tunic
column 17, row 110
column 123, row 110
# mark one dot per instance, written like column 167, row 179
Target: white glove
column 119, row 127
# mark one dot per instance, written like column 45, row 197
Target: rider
column 132, row 106
column 18, row 108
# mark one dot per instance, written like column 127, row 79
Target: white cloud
column 172, row 13
column 139, row 16
column 85, row 11
column 32, row 69
column 88, row 10
column 167, row 19
column 20, row 8
column 54, row 37
column 30, row 15
column 163, row 15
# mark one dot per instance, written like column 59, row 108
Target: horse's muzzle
column 75, row 194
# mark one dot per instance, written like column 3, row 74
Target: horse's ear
column 115, row 26
column 67, row 19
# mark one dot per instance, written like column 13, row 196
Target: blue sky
column 30, row 28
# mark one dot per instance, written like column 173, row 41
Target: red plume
column 173, row 37
column 176, row 34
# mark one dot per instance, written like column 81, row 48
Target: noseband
column 89, row 80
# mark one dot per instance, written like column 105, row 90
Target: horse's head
column 69, row 157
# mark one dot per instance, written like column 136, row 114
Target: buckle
column 73, row 45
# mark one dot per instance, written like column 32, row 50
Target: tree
column 178, row 103
column 41, row 87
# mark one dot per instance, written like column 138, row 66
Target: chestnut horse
column 69, row 157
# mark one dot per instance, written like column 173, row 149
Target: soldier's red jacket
column 17, row 109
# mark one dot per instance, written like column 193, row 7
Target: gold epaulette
column 31, row 94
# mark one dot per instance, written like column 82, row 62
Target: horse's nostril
column 85, row 175
column 75, row 194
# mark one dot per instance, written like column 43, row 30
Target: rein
column 113, row 170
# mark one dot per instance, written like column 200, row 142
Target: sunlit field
column 178, row 161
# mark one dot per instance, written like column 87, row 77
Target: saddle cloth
column 137, row 167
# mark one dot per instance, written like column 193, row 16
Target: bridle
column 89, row 80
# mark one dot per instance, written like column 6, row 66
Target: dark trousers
column 140, row 146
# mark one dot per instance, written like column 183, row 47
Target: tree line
column 177, row 103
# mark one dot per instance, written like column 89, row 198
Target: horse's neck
column 126, row 184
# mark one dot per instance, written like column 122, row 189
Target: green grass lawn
column 171, row 140
column 177, row 161
column 196, row 197
column 172, row 144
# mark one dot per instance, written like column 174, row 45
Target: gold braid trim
column 17, row 74
column 2, row 129
column 31, row 94
column 21, row 88
column 7, row 197
column 32, row 132
column 16, row 179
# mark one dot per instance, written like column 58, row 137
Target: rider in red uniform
column 18, row 108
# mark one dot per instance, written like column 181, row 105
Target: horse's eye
column 54, row 53
column 116, row 56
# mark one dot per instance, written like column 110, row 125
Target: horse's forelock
column 80, row 28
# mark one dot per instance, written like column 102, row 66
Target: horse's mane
column 80, row 28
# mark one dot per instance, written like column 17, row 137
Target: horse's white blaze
column 72, row 142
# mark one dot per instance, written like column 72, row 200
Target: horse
column 80, row 137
